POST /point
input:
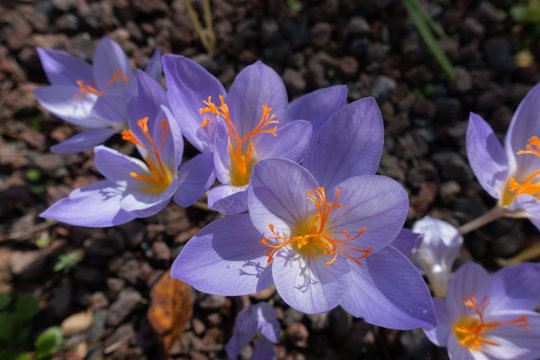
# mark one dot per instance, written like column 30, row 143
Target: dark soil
column 371, row 46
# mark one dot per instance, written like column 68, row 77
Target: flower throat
column 160, row 176
column 313, row 239
column 243, row 158
column 90, row 88
column 470, row 330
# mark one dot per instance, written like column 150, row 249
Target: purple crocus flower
column 250, row 123
column 94, row 97
column 321, row 234
column 439, row 249
column 490, row 316
column 260, row 317
column 510, row 174
column 135, row 188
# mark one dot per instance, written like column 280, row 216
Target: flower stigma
column 89, row 88
column 470, row 330
column 158, row 176
column 243, row 158
column 527, row 187
column 311, row 237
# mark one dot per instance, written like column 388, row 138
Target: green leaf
column 48, row 342
column 67, row 261
column 26, row 308
column 295, row 5
column 33, row 175
column 6, row 330
column 518, row 12
column 5, row 300
column 22, row 357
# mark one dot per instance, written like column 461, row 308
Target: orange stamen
column 89, row 88
column 317, row 235
column 241, row 161
column 470, row 331
column 528, row 187
column 159, row 175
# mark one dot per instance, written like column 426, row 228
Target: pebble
column 294, row 82
column 463, row 81
column 212, row 302
column 383, row 87
column 348, row 67
column 297, row 334
column 130, row 271
column 321, row 34
column 122, row 307
column 28, row 264
column 357, row 27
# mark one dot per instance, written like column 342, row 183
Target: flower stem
column 488, row 217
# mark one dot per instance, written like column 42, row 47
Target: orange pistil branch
column 470, row 331
column 528, row 187
column 240, row 160
column 160, row 174
column 90, row 88
column 316, row 236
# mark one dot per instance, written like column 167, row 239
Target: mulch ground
column 369, row 45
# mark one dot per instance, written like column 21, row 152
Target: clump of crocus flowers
column 303, row 207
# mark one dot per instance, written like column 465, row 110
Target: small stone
column 99, row 300
column 488, row 13
column 67, row 22
column 62, row 298
column 161, row 251
column 377, row 52
column 52, row 165
column 463, row 81
column 291, row 315
column 198, row 326
column 424, row 108
column 264, row 294
column 348, row 67
column 97, row 327
column 120, row 338
column 473, row 27
column 269, row 32
column 424, row 198
column 320, row 321
column 27, row 264
column 294, row 82
column 449, row 190
column 419, row 76
column 321, row 34
column 357, row 27
column 122, row 307
column 130, row 271
column 383, row 87
column 492, row 98
column 212, row 302
column 297, row 334
column 214, row 319
column 114, row 286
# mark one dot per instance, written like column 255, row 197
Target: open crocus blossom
column 438, row 250
column 260, row 317
column 510, row 174
column 92, row 96
column 490, row 316
column 250, row 123
column 323, row 237
column 136, row 188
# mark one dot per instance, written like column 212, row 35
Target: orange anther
column 317, row 234
column 89, row 88
column 241, row 157
column 471, row 330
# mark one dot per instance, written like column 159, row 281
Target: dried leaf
column 169, row 310
column 77, row 323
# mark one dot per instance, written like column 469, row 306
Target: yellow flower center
column 310, row 236
column 471, row 330
column 89, row 87
column 158, row 176
column 513, row 188
column 243, row 157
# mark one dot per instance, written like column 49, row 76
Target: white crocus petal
column 440, row 247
